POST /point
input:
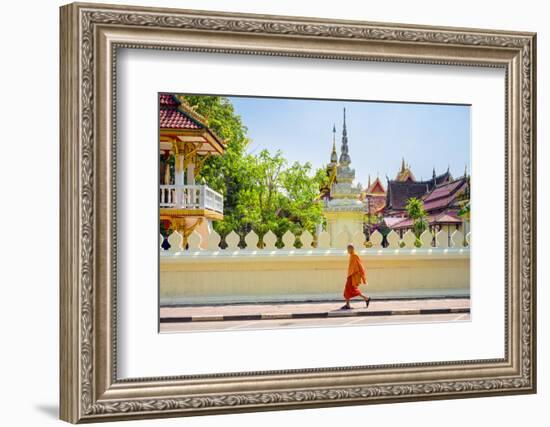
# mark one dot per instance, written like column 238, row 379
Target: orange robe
column 356, row 275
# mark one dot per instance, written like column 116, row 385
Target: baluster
column 203, row 197
column 185, row 196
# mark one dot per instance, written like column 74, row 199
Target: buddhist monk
column 356, row 276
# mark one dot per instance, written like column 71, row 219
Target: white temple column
column 179, row 179
column 167, row 177
column 191, row 173
column 180, row 173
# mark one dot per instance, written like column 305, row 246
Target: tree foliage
column 261, row 192
column 464, row 211
column 416, row 211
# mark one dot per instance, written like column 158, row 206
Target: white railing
column 323, row 241
column 190, row 197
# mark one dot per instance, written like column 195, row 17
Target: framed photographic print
column 268, row 212
column 279, row 215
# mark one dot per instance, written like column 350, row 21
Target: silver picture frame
column 90, row 36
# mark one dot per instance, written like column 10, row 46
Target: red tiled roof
column 442, row 218
column 391, row 221
column 403, row 223
column 167, row 100
column 447, row 217
column 444, row 195
column 444, row 190
column 438, row 203
column 173, row 118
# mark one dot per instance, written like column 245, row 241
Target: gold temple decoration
column 199, row 163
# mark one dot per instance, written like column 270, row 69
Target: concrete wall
column 294, row 275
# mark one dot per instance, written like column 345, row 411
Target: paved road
column 308, row 323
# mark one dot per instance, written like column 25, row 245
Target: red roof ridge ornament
column 186, row 108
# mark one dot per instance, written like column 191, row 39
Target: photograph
column 294, row 213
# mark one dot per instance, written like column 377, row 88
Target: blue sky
column 379, row 133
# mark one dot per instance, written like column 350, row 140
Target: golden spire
column 345, row 159
column 334, row 155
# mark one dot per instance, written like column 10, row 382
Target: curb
column 328, row 300
column 313, row 315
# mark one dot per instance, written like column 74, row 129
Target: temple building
column 343, row 208
column 405, row 186
column 405, row 174
column 185, row 143
column 375, row 198
column 443, row 198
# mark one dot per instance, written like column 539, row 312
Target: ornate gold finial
column 333, row 154
column 345, row 158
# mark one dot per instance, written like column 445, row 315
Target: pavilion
column 185, row 143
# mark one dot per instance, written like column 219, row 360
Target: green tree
column 415, row 211
column 230, row 174
column 301, row 192
column 464, row 211
column 261, row 192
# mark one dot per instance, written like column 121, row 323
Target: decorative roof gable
column 376, row 188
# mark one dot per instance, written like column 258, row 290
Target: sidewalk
column 312, row 310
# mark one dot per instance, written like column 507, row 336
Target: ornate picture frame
column 90, row 37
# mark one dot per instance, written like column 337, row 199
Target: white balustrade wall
column 269, row 241
column 254, row 268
